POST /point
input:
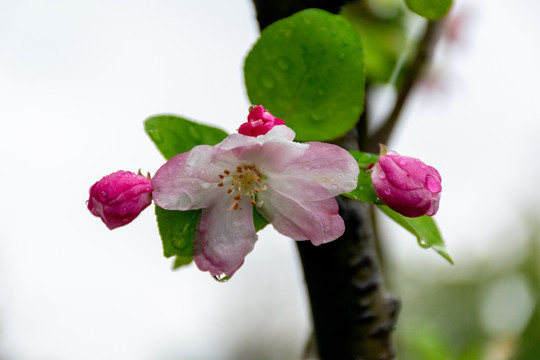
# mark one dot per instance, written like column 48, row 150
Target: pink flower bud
column 119, row 198
column 407, row 185
column 259, row 122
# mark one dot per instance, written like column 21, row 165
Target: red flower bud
column 119, row 198
column 407, row 185
column 259, row 122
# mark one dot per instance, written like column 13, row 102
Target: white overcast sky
column 77, row 79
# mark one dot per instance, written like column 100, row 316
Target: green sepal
column 174, row 135
column 424, row 228
column 364, row 190
column 308, row 69
column 258, row 220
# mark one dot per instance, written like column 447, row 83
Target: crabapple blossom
column 119, row 198
column 406, row 184
column 292, row 185
column 260, row 121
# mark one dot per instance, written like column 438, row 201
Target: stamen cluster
column 246, row 181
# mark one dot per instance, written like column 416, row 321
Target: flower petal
column 328, row 165
column 301, row 219
column 175, row 189
column 224, row 238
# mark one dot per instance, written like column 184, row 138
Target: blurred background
column 77, row 80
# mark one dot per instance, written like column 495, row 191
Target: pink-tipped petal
column 317, row 221
column 328, row 165
column 175, row 189
column 224, row 238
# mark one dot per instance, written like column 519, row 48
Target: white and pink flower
column 291, row 184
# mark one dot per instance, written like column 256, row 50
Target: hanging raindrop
column 222, row 277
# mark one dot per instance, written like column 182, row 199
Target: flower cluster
column 260, row 168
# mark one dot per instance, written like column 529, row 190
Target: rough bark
column 353, row 315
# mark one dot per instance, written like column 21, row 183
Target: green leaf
column 424, row 228
column 174, row 135
column 364, row 189
column 177, row 229
column 308, row 70
column 431, row 9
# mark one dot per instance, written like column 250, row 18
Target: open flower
column 292, row 185
column 260, row 121
column 119, row 198
column 406, row 184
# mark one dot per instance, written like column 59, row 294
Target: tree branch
column 353, row 316
column 423, row 55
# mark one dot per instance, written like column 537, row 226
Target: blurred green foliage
column 481, row 310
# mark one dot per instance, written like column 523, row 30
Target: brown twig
column 422, row 57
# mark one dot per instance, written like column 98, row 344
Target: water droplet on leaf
column 316, row 118
column 194, row 133
column 267, row 82
column 156, row 137
column 423, row 244
column 341, row 56
column 283, row 63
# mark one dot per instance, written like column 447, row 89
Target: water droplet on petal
column 433, row 184
column 382, row 176
column 387, row 191
column 104, row 195
column 402, row 162
column 222, row 277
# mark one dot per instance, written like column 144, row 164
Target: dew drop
column 402, row 162
column 317, row 118
column 222, row 278
column 103, row 196
column 194, row 133
column 382, row 176
column 387, row 191
column 267, row 82
column 423, row 244
column 283, row 63
column 155, row 135
column 433, row 184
